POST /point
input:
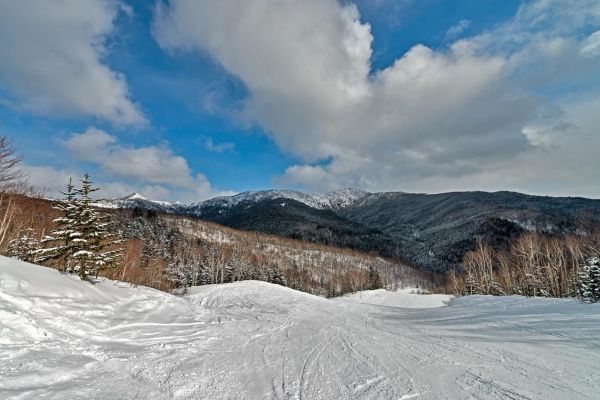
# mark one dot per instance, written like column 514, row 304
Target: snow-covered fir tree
column 62, row 238
column 276, row 276
column 374, row 279
column 86, row 240
column 25, row 247
column 589, row 281
column 97, row 235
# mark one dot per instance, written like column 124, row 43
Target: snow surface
column 402, row 298
column 61, row 338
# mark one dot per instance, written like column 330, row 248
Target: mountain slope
column 62, row 338
column 432, row 231
column 293, row 219
column 435, row 230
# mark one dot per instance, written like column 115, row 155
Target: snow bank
column 249, row 294
column 402, row 298
column 39, row 304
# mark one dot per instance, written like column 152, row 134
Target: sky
column 183, row 100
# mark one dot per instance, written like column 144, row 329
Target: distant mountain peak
column 334, row 199
column 134, row 196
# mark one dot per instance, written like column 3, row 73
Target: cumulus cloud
column 51, row 179
column 154, row 171
column 153, row 164
column 463, row 116
column 52, row 55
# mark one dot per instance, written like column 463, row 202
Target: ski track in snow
column 64, row 339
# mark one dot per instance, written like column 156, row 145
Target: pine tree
column 97, row 233
column 588, row 288
column 85, row 239
column 25, row 247
column 374, row 279
column 276, row 276
column 65, row 234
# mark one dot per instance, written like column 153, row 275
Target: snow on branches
column 86, row 240
column 588, row 288
column 25, row 247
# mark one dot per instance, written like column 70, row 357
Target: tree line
column 534, row 265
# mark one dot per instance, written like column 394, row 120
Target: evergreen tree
column 63, row 237
column 25, row 247
column 85, row 239
column 374, row 279
column 276, row 276
column 97, row 235
column 588, row 288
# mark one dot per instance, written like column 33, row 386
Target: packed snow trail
column 61, row 338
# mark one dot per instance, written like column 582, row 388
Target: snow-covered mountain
column 61, row 338
column 136, row 200
column 432, row 231
column 323, row 201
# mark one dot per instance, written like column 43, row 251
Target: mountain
column 431, row 231
column 321, row 201
column 136, row 200
column 435, row 230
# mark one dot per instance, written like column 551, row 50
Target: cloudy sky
column 189, row 99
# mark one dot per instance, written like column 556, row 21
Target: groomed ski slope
column 61, row 338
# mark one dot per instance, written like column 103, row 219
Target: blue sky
column 184, row 100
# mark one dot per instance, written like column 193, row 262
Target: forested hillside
column 168, row 252
column 430, row 231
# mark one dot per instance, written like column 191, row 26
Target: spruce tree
column 276, row 276
column 97, row 235
column 25, row 247
column 374, row 279
column 85, row 240
column 62, row 238
column 588, row 288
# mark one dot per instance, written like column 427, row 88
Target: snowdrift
column 61, row 338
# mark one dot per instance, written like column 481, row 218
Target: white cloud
column 52, row 54
column 462, row 116
column 154, row 171
column 223, row 147
column 457, row 29
column 591, row 46
column 153, row 164
column 50, row 178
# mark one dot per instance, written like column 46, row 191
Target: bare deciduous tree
column 12, row 175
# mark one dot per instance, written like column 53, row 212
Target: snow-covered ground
column 61, row 338
column 403, row 298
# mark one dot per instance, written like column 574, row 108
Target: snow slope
column 61, row 338
column 402, row 298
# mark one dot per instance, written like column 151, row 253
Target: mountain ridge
column 336, row 198
column 431, row 231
